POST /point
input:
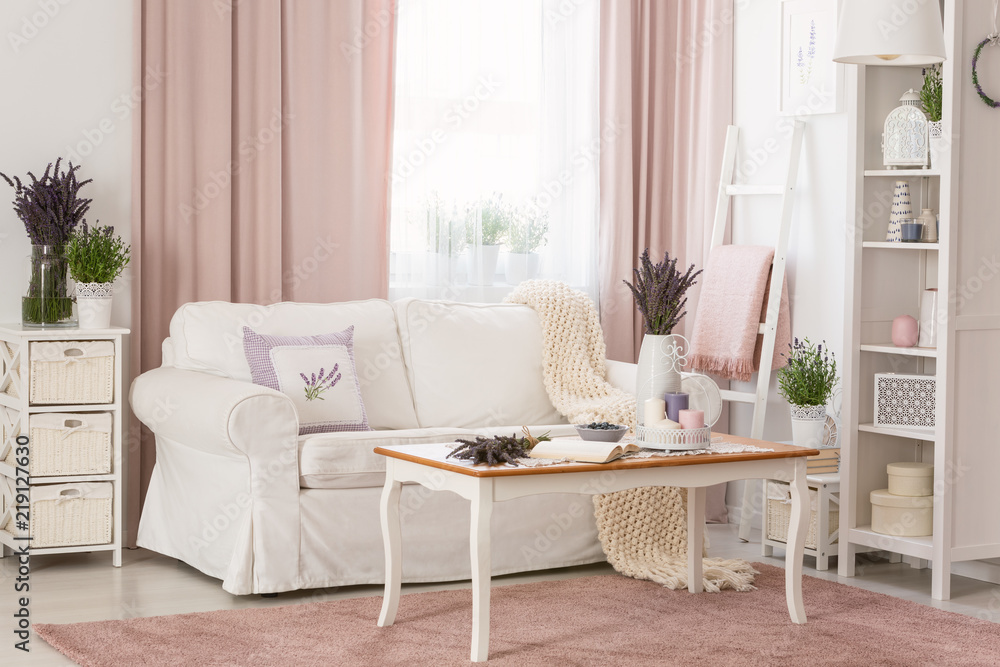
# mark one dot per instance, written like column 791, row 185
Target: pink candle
column 691, row 418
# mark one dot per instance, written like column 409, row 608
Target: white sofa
column 239, row 495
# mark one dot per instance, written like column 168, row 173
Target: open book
column 586, row 451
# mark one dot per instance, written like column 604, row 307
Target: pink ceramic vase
column 905, row 331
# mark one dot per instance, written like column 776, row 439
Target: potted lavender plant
column 50, row 208
column 96, row 257
column 807, row 383
column 659, row 292
column 526, row 235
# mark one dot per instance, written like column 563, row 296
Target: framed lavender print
column 811, row 83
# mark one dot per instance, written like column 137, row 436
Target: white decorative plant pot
column 93, row 305
column 661, row 359
column 938, row 144
column 809, row 425
column 521, row 267
column 483, row 264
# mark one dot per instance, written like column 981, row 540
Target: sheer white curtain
column 495, row 149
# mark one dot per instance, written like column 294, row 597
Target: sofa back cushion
column 207, row 336
column 474, row 365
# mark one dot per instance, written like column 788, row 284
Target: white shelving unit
column 16, row 413
column 885, row 280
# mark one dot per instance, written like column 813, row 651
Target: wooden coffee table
column 428, row 466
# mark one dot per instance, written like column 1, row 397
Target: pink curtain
column 261, row 155
column 666, row 88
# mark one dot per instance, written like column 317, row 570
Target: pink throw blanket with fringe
column 732, row 305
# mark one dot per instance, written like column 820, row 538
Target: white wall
column 818, row 245
column 66, row 68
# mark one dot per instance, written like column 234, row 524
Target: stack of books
column 828, row 460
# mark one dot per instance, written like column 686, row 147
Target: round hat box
column 902, row 516
column 911, row 478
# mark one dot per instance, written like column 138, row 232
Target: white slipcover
column 238, row 494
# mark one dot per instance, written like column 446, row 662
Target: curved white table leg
column 479, row 548
column 696, row 538
column 797, row 526
column 392, row 540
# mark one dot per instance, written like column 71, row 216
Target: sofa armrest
column 621, row 374
column 240, row 420
column 214, row 414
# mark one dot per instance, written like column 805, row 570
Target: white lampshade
column 889, row 32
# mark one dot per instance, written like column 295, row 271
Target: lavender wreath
column 992, row 39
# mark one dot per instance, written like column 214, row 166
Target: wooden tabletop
column 435, row 456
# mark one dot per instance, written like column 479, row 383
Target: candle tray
column 673, row 438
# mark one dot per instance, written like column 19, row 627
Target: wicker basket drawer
column 779, row 512
column 65, row 515
column 69, row 444
column 72, row 372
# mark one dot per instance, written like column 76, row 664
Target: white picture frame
column 811, row 82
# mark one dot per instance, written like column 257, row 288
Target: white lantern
column 904, row 137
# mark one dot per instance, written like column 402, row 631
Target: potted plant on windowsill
column 96, row 257
column 445, row 240
column 526, row 235
column 659, row 292
column 50, row 208
column 807, row 383
column 486, row 230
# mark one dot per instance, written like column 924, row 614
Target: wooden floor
column 85, row 587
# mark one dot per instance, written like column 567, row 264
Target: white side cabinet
column 63, row 390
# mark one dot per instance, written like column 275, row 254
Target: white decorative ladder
column 769, row 327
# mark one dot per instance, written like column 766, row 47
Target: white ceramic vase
column 928, row 319
column 521, row 267
column 93, row 305
column 808, row 425
column 661, row 359
column 900, row 211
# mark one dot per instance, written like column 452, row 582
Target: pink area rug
column 606, row 620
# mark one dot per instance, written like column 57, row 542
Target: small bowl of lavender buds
column 601, row 431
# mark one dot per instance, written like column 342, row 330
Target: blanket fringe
column 671, row 572
column 727, row 367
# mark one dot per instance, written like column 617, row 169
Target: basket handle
column 72, row 426
column 69, row 494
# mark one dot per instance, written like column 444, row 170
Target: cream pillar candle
column 665, row 423
column 692, row 418
column 655, row 409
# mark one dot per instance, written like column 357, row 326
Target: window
column 495, row 160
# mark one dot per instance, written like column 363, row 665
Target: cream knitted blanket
column 643, row 531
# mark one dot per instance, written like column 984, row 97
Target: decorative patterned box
column 905, row 400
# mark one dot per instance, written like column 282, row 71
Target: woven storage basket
column 673, row 438
column 69, row 444
column 779, row 512
column 64, row 515
column 68, row 372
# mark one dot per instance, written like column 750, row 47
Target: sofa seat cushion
column 474, row 364
column 208, row 336
column 348, row 461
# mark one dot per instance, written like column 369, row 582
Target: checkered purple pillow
column 316, row 372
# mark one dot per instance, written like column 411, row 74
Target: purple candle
column 675, row 403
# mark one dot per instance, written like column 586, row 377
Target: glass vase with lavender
column 50, row 208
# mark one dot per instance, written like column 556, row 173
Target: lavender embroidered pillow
column 316, row 372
